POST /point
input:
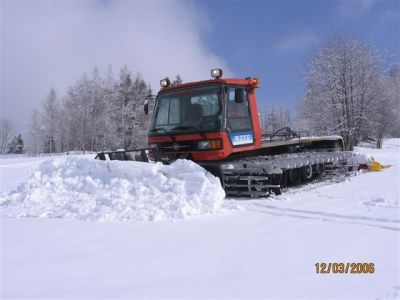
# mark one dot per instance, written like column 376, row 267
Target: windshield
column 194, row 110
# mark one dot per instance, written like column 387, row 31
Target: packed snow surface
column 266, row 250
column 89, row 189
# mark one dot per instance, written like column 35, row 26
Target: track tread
column 263, row 175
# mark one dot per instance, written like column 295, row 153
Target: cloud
column 351, row 7
column 365, row 4
column 51, row 43
column 296, row 41
column 378, row 12
column 390, row 14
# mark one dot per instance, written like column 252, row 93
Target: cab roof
column 233, row 81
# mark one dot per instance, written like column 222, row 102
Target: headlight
column 202, row 145
column 209, row 144
column 153, row 146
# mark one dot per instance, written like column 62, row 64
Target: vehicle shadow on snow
column 326, row 217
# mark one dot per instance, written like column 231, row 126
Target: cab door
column 239, row 125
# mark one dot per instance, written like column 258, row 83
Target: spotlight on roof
column 216, row 73
column 165, row 82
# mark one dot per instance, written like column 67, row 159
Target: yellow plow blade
column 374, row 166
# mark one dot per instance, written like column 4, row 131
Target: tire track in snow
column 20, row 165
column 392, row 224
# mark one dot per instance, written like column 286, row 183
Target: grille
column 180, row 146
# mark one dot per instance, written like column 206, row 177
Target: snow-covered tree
column 108, row 134
column 6, row 130
column 50, row 120
column 35, row 134
column 385, row 114
column 124, row 110
column 140, row 119
column 96, row 114
column 96, row 108
column 340, row 89
column 393, row 91
column 275, row 117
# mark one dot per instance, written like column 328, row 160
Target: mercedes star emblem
column 175, row 146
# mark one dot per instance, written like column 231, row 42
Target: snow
column 88, row 189
column 266, row 249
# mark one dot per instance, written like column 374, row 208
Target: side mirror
column 239, row 95
column 146, row 107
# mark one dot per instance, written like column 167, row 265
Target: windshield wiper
column 184, row 127
column 157, row 129
column 166, row 131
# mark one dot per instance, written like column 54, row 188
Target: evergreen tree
column 16, row 146
column 177, row 80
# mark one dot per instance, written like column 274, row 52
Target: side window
column 236, row 109
column 238, row 117
column 238, row 112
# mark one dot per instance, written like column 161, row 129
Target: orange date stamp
column 344, row 268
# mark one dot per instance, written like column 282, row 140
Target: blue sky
column 273, row 39
column 50, row 44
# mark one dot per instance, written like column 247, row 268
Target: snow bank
column 393, row 143
column 88, row 189
column 362, row 158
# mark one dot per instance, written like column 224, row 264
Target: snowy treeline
column 275, row 117
column 6, row 134
column 347, row 93
column 96, row 114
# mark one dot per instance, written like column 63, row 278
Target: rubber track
column 262, row 175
